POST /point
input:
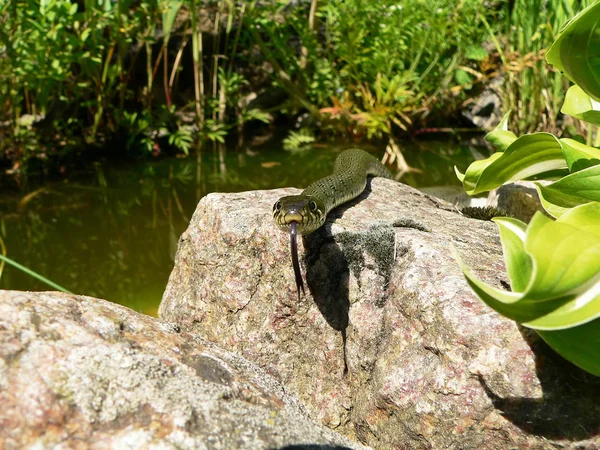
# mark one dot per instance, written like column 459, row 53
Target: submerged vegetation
column 143, row 77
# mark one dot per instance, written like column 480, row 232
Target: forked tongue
column 295, row 262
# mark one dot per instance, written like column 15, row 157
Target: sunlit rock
column 78, row 372
column 428, row 364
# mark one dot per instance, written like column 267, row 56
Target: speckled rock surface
column 428, row 365
column 519, row 199
column 79, row 373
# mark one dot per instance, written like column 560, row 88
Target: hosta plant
column 554, row 262
column 554, row 271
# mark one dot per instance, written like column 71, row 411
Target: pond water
column 111, row 232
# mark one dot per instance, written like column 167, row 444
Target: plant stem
column 33, row 274
column 100, row 98
column 215, row 55
column 198, row 68
column 165, row 74
column 311, row 15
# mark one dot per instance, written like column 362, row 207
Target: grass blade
column 34, row 274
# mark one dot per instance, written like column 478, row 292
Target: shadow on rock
column 569, row 408
column 327, row 276
column 330, row 260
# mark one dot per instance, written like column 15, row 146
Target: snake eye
column 312, row 206
column 277, row 206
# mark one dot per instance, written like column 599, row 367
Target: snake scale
column 304, row 213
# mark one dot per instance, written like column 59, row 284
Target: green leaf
column 576, row 51
column 565, row 257
column 34, row 274
column 37, row 25
column 476, row 53
column 85, row 34
column 579, row 345
column 579, row 156
column 586, row 218
column 44, row 6
column 509, row 304
column 563, row 289
column 463, row 79
column 529, row 156
column 573, row 190
column 500, row 137
column 580, row 105
column 555, row 202
column 518, row 262
column 171, row 8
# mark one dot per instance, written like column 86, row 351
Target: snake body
column 304, row 213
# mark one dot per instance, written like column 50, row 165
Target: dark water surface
column 112, row 232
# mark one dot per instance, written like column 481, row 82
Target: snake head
column 308, row 213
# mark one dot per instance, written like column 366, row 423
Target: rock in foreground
column 77, row 372
column 428, row 364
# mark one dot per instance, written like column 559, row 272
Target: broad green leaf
column 563, row 289
column 171, row 8
column 509, row 304
column 518, row 262
column 474, row 171
column 576, row 51
column 579, row 345
column 586, row 218
column 529, row 156
column 554, row 202
column 463, row 78
column 579, row 156
column 476, row 53
column 564, row 256
column 500, row 137
column 583, row 307
column 580, row 105
column 573, row 190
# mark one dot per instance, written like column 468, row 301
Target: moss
column 483, row 212
column 409, row 223
column 378, row 242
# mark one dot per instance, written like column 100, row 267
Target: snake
column 302, row 214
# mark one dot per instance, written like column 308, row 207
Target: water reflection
column 112, row 231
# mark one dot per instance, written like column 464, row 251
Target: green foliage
column 542, row 155
column 581, row 106
column 77, row 69
column 182, row 139
column 553, row 265
column 575, row 51
column 299, row 140
column 531, row 89
column 369, row 69
column 531, row 156
column 372, row 65
column 554, row 287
